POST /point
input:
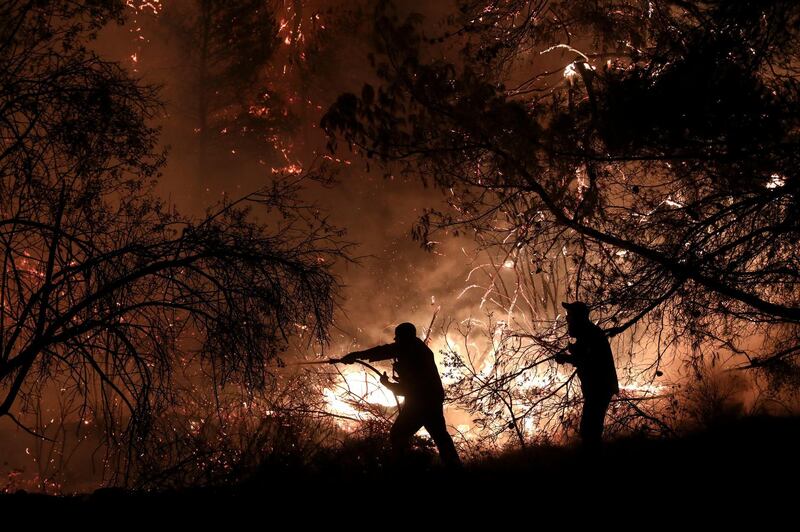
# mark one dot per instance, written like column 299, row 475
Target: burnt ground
column 731, row 473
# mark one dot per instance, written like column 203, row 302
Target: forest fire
column 358, row 395
column 578, row 220
column 353, row 392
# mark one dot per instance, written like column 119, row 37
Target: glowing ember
column 776, row 181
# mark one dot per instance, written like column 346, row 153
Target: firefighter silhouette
column 419, row 383
column 591, row 355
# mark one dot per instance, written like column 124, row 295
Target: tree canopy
column 644, row 153
column 106, row 290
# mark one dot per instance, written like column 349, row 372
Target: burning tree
column 649, row 147
column 105, row 291
column 227, row 47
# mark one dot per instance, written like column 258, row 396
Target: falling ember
column 292, row 169
column 154, row 6
column 139, row 8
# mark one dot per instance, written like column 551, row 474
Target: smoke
column 394, row 279
column 323, row 53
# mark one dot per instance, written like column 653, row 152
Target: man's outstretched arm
column 373, row 354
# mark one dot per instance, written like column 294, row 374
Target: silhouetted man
column 591, row 356
column 420, row 385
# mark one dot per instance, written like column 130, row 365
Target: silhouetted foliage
column 651, row 145
column 105, row 291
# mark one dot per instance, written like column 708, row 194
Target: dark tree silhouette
column 652, row 145
column 104, row 289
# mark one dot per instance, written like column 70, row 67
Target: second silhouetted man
column 591, row 355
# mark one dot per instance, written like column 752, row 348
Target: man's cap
column 576, row 308
column 405, row 330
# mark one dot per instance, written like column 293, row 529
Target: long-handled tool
column 316, row 362
column 376, row 371
column 337, row 361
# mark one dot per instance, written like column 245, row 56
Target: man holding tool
column 419, row 383
column 591, row 355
